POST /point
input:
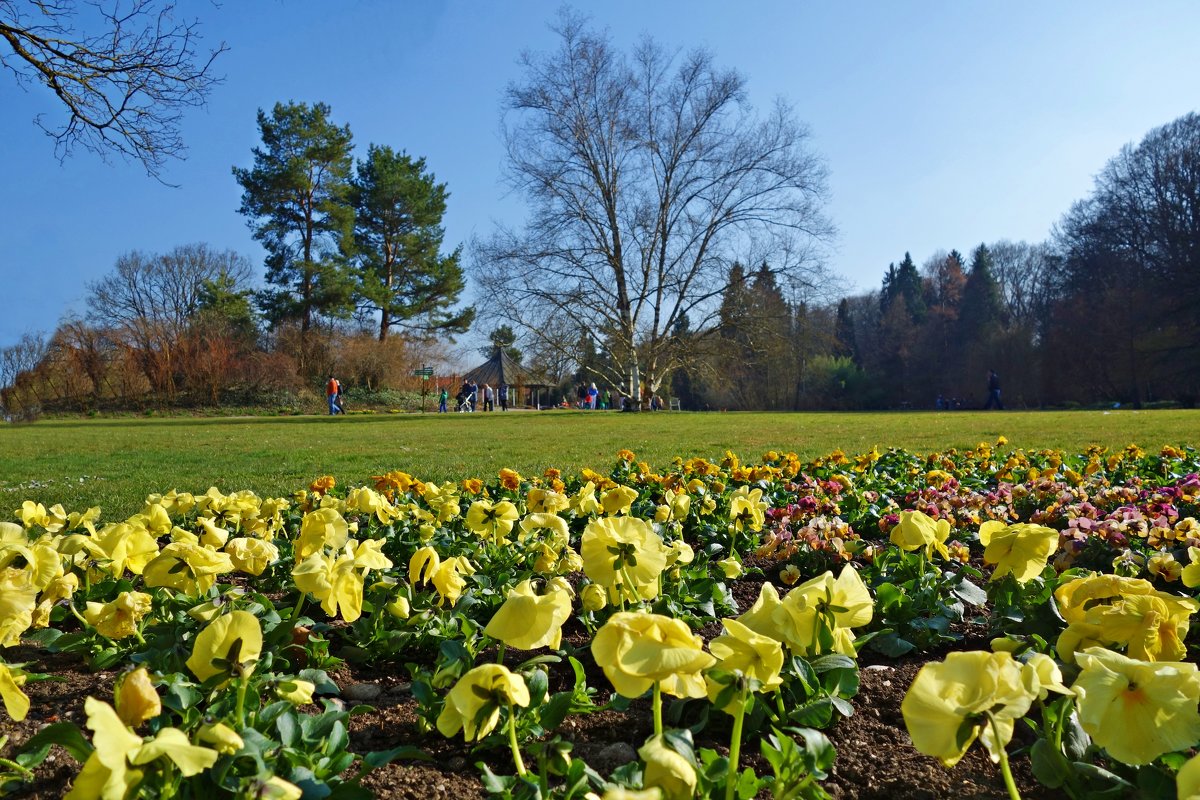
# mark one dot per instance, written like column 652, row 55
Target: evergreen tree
column 904, row 280
column 502, row 338
column 980, row 319
column 398, row 235
column 982, row 309
column 847, row 342
column 297, row 201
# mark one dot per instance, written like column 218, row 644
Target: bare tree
column 124, row 86
column 21, row 357
column 1023, row 272
column 646, row 175
column 149, row 301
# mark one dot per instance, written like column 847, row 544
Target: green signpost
column 425, row 373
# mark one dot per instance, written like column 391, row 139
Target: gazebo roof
column 499, row 370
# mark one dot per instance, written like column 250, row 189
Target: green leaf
column 892, row 645
column 64, row 734
column 1049, row 766
column 555, row 711
column 377, row 758
column 970, row 593
column 748, row 784
column 289, row 729
column 338, row 739
column 833, row 661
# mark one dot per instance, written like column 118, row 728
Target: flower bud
column 135, row 698
column 592, row 597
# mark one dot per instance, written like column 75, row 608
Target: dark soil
column 874, row 756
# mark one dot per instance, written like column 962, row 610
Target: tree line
column 1106, row 311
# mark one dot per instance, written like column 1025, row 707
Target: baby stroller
column 464, row 402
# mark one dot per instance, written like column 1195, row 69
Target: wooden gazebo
column 501, row 370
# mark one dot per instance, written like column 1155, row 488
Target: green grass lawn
column 114, row 463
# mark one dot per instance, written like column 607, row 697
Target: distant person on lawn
column 443, row 398
column 993, row 400
column 333, row 392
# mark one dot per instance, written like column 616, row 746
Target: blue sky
column 944, row 124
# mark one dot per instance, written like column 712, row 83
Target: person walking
column 993, row 400
column 443, row 398
column 504, row 397
column 474, row 396
column 593, row 394
column 333, row 390
column 489, row 403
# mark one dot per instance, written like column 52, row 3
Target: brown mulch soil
column 875, row 758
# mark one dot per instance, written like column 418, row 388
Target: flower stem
column 1009, row 783
column 658, row 726
column 735, row 744
column 500, row 648
column 243, row 685
column 296, row 609
column 512, row 740
column 4, row 762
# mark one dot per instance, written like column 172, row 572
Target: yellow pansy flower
column 618, row 500
column 1041, row 675
column 423, row 564
column 667, row 770
column 127, row 547
column 638, row 650
column 747, row 653
column 761, row 617
column 747, row 510
column 1137, row 710
column 276, row 788
column 221, row 737
column 593, row 597
column 190, row 568
column 135, row 698
column 15, row 701
column 119, row 618
column 400, row 607
column 546, row 501
column 448, row 579
column 250, row 555
column 946, row 705
column 817, row 616
column 106, row 774
column 211, row 534
column 492, row 521
column 234, row 639
column 368, row 501
column 17, row 601
column 1020, row 550
column 1191, row 573
column 296, row 691
column 1187, row 781
column 624, row 555
column 173, row 744
column 584, row 502
column 319, row 529
column 334, row 581
column 528, row 620
column 731, row 568
column 917, row 529
column 473, row 705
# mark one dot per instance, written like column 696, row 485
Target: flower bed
column 707, row 629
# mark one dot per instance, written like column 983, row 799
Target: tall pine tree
column 398, row 236
column 296, row 200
